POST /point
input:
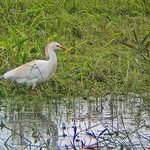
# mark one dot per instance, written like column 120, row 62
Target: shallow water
column 112, row 122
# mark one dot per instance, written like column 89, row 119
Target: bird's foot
column 34, row 92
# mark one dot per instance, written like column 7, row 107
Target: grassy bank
column 109, row 42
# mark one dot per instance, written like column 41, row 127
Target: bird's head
column 53, row 46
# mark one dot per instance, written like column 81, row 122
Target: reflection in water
column 111, row 122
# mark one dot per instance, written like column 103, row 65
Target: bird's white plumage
column 36, row 71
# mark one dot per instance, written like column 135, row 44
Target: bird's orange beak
column 63, row 47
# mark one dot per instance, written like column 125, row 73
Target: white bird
column 36, row 71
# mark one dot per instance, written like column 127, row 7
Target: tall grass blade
column 128, row 45
column 136, row 37
column 147, row 50
column 145, row 38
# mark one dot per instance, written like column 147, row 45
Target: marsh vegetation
column 108, row 41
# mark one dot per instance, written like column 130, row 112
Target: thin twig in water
column 42, row 138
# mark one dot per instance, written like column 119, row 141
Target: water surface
column 112, row 122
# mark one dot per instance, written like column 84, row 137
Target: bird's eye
column 57, row 45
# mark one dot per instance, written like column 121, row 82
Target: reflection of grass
column 115, row 134
column 96, row 63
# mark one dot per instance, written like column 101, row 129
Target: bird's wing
column 27, row 71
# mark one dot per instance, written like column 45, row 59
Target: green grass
column 107, row 39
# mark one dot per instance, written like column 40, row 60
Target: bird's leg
column 34, row 90
column 34, row 86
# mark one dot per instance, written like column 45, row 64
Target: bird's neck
column 52, row 56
